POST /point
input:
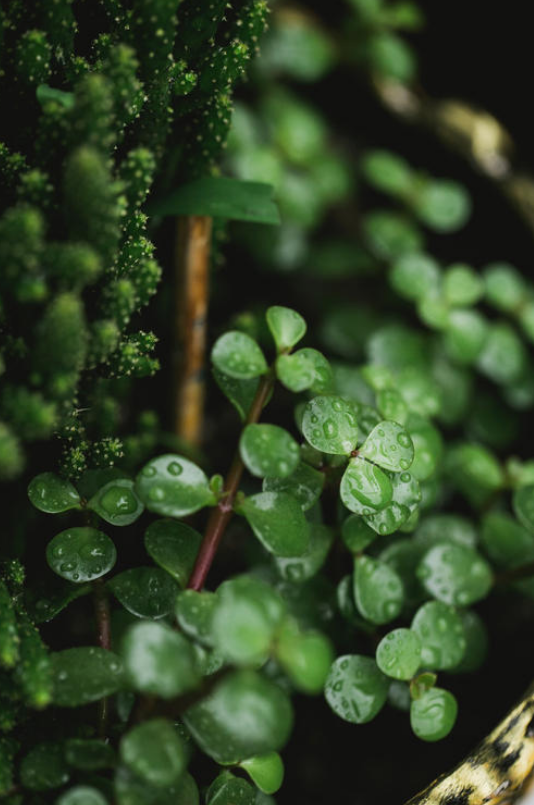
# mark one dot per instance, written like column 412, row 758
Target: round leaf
column 52, row 494
column 147, row 592
column 465, row 335
column 237, row 354
column 523, row 502
column 82, row 795
column 84, row 675
column 507, row 542
column 399, row 654
column 504, row 357
column 174, row 547
column 265, row 771
column 389, row 446
column 132, row 790
column 117, row 503
column 446, row 528
column 462, row 286
column 305, row 369
column 245, row 715
column 356, row 689
column 305, row 656
column 505, row 287
column 194, row 612
column 455, row 574
column 388, row 172
column 227, row 789
column 286, row 325
column 432, row 716
column 44, row 767
column 89, row 754
column 305, row 484
column 356, row 534
column 245, row 619
column 443, row 205
column 298, row 569
column 268, row 450
column 364, row 488
column 378, row 590
column 329, row 425
column 173, row 486
column 158, row 660
column 277, row 520
column 155, row 752
column 81, row 554
column 415, row 276
column 241, row 393
column 442, row 635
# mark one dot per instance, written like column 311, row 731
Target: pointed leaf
column 286, row 325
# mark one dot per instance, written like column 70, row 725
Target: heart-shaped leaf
column 237, row 354
column 173, row 486
column 81, row 554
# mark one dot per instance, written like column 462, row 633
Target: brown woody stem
column 515, row 574
column 223, row 512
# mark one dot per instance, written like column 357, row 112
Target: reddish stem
column 103, row 627
column 223, row 512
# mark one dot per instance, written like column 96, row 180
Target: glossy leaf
column 265, row 771
column 84, row 675
column 389, row 446
column 305, row 369
column 405, row 497
column 305, row 484
column 155, row 752
column 365, row 488
column 378, row 590
column 399, row 654
column 298, row 569
column 44, row 767
column 245, row 715
column 403, row 555
column 277, row 520
column 329, row 425
column 237, row 354
column 81, row 554
column 194, row 611
column 477, row 642
column 286, row 325
column 245, row 620
column 267, row 450
column 356, row 534
column 356, row 689
column 227, row 789
column 89, row 754
column 455, row 574
column 433, row 715
column 174, row 547
column 241, row 393
column 442, row 635
column 306, row 657
column 132, row 790
column 158, row 660
column 117, row 502
column 147, row 592
column 52, row 494
column 507, row 542
column 173, row 486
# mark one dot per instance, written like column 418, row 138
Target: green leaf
column 415, row 276
column 93, row 480
column 172, row 486
column 237, row 354
column 503, row 358
column 329, row 425
column 52, row 494
column 462, row 286
column 298, row 569
column 265, row 771
column 389, row 234
column 267, row 450
column 399, row 654
column 443, row 205
column 365, row 488
column 388, row 172
column 403, row 556
column 391, row 406
column 245, row 619
column 194, row 612
column 420, row 391
column 465, row 335
column 455, row 574
column 155, row 752
column 406, row 495
column 475, row 471
column 306, row 657
column 50, row 600
column 81, row 554
column 477, row 643
column 433, row 715
column 305, row 484
column 117, row 503
column 82, row 795
column 389, row 446
column 505, row 287
column 241, row 393
column 45, row 94
column 220, row 197
column 44, row 768
column 438, row 528
column 84, row 675
column 507, row 542
column 378, row 590
column 9, row 637
column 174, row 547
column 356, row 689
column 89, row 754
column 286, row 325
column 158, row 660
column 147, row 592
column 245, row 715
column 305, row 369
column 356, row 534
column 442, row 635
column 278, row 522
column 227, row 789
column 428, row 447
column 131, row 790
column 523, row 503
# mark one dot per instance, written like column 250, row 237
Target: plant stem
column 103, row 626
column 223, row 512
column 515, row 574
column 192, row 253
